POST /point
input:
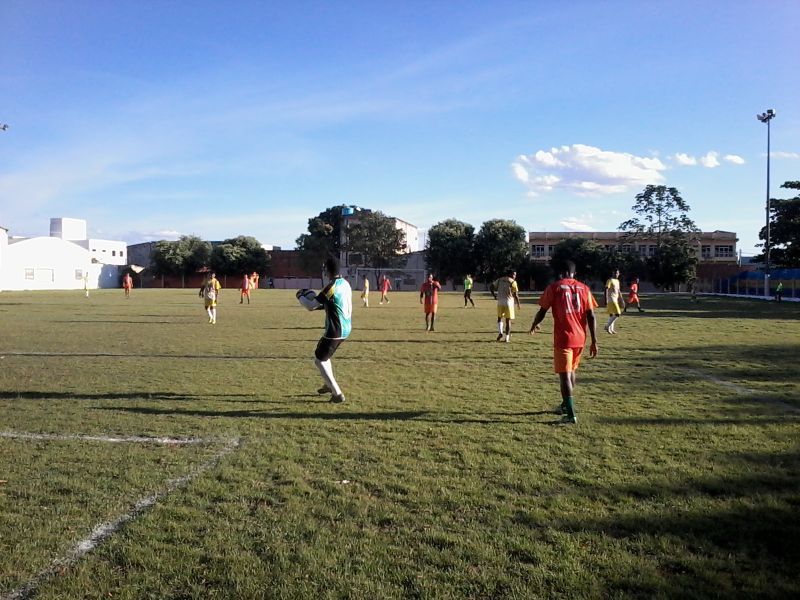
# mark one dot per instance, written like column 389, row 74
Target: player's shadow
column 120, row 322
column 262, row 414
column 49, row 395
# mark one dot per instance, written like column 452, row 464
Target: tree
column 500, row 245
column 376, row 238
column 449, row 251
column 239, row 255
column 662, row 217
column 673, row 262
column 586, row 255
column 183, row 256
column 324, row 238
column 784, row 224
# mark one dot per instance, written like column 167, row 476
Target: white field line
column 133, row 439
column 739, row 389
column 103, row 531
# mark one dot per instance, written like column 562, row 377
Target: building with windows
column 712, row 247
column 62, row 261
column 352, row 214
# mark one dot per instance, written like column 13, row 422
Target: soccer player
column 572, row 303
column 365, row 293
column 127, row 284
column 245, row 291
column 468, row 290
column 633, row 296
column 613, row 300
column 337, row 299
column 778, row 292
column 429, row 297
column 210, row 294
column 386, row 285
column 507, row 298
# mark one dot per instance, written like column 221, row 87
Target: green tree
column 500, row 245
column 586, row 254
column 324, row 238
column 239, row 255
column 181, row 257
column 784, row 235
column 376, row 238
column 449, row 251
column 662, row 217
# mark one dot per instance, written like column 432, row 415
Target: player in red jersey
column 573, row 309
column 633, row 296
column 429, row 292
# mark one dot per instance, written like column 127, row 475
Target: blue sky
column 159, row 118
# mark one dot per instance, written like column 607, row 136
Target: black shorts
column 326, row 347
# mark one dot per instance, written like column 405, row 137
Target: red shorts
column 430, row 309
column 566, row 359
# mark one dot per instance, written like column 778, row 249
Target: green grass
column 442, row 476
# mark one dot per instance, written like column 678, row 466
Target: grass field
column 147, row 454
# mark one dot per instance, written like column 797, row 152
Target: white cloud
column 576, row 224
column 733, row 158
column 784, row 154
column 710, row 160
column 586, row 170
column 684, row 159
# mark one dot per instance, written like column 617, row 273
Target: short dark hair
column 570, row 268
column 332, row 266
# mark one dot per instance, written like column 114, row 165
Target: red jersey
column 571, row 301
column 430, row 292
column 385, row 285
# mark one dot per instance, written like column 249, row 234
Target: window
column 651, row 250
column 705, row 251
column 550, row 250
column 538, row 251
column 121, row 253
column 78, row 274
column 28, row 273
column 113, row 253
column 723, row 251
column 642, row 250
column 627, row 248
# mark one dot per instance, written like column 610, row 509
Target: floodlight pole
column 766, row 118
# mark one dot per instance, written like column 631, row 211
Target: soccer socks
column 570, row 406
column 500, row 327
column 326, row 370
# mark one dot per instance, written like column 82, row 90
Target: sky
column 156, row 119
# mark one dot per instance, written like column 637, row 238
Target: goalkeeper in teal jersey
column 337, row 300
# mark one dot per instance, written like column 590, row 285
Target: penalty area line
column 101, row 532
column 131, row 439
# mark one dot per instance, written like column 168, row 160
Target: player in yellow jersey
column 614, row 301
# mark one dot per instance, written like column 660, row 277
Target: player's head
column 430, row 276
column 569, row 269
column 511, row 273
column 332, row 267
column 616, row 273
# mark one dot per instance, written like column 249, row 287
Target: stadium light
column 4, row 126
column 766, row 118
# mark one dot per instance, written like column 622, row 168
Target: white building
column 58, row 263
column 107, row 252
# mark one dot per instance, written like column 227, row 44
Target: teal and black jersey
column 337, row 299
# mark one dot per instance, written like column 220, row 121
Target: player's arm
column 538, row 319
column 592, row 323
column 515, row 294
